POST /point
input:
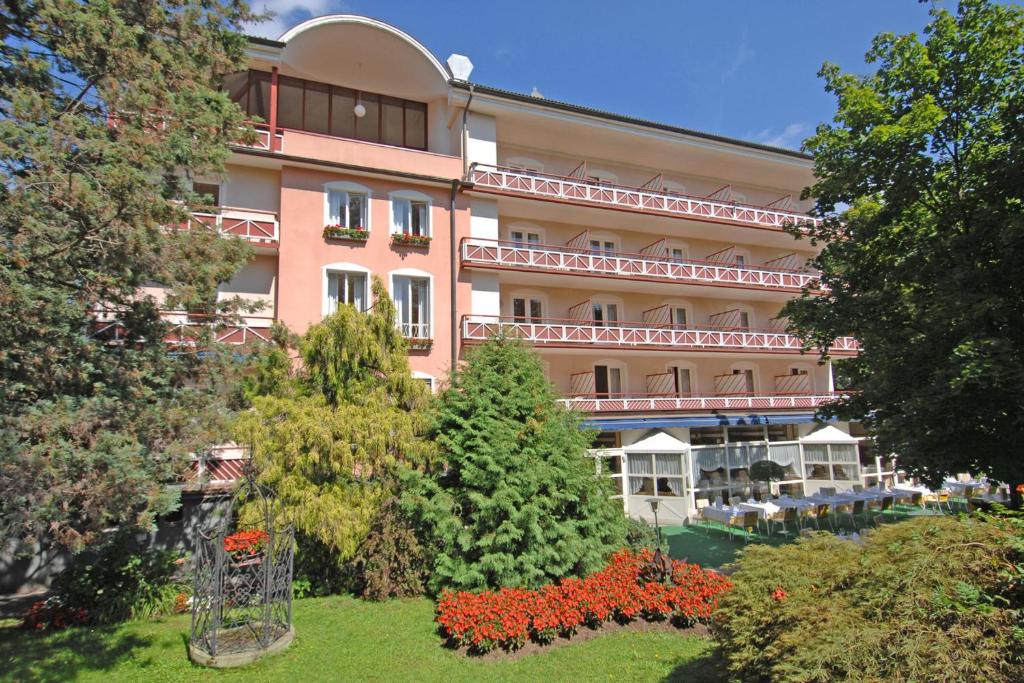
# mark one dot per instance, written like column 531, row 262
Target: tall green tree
column 920, row 180
column 517, row 502
column 327, row 440
column 107, row 110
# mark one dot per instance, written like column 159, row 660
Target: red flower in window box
column 408, row 240
column 339, row 232
column 420, row 342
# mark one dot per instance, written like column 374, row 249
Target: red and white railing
column 646, row 403
column 555, row 259
column 188, row 330
column 218, row 465
column 265, row 140
column 625, row 335
column 258, row 227
column 577, row 190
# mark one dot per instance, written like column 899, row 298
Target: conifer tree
column 107, row 111
column 327, row 441
column 517, row 503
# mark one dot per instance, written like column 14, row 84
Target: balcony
column 588, row 192
column 652, row 267
column 259, row 228
column 185, row 329
column 583, row 334
column 623, row 403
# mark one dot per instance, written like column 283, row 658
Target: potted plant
column 405, row 239
column 340, row 232
column 245, row 547
column 420, row 343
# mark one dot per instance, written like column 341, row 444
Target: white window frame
column 342, row 267
column 423, row 275
column 346, row 188
column 683, row 246
column 745, row 255
column 528, row 294
column 684, row 304
column 526, row 229
column 428, row 378
column 688, row 365
column 744, row 308
column 407, row 197
column 525, row 164
column 604, row 300
column 604, row 237
column 755, row 378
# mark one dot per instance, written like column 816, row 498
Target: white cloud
column 791, row 136
column 288, row 13
column 743, row 54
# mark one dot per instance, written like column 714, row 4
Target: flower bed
column 507, row 618
column 407, row 240
column 337, row 232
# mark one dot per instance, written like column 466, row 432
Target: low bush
column 640, row 534
column 118, row 580
column 317, row 571
column 390, row 562
column 507, row 618
column 929, row 599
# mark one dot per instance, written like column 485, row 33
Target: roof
column 829, row 434
column 622, row 118
column 265, row 41
column 657, row 441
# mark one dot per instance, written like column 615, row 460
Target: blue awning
column 613, row 424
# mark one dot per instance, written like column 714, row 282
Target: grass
column 344, row 639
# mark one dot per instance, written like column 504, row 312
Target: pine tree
column 328, row 440
column 518, row 503
column 107, row 110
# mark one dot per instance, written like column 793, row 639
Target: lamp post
column 653, row 502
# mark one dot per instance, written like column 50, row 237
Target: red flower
column 779, row 595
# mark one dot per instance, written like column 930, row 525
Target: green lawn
column 343, row 639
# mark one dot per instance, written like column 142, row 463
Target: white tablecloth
column 719, row 514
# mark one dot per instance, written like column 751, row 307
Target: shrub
column 390, row 563
column 640, row 534
column 934, row 598
column 518, row 503
column 507, row 618
column 318, row 571
column 120, row 580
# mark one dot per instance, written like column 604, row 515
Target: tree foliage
column 107, row 110
column 926, row 266
column 517, row 503
column 328, row 438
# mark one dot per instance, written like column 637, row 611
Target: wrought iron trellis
column 242, row 599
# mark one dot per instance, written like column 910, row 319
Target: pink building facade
column 646, row 263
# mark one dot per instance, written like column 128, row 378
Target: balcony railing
column 188, row 330
column 626, row 335
column 525, row 183
column 258, row 227
column 630, row 403
column 559, row 259
column 264, row 139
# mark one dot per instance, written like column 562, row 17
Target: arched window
column 347, row 205
column 410, row 213
column 344, row 283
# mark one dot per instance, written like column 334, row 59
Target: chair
column 859, row 508
column 745, row 520
column 940, row 498
column 888, row 504
column 966, row 499
column 781, row 518
column 917, row 499
column 818, row 512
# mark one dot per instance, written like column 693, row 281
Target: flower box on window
column 338, row 232
column 407, row 240
column 420, row 343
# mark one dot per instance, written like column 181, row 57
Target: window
column 743, row 320
column 346, row 288
column 524, row 237
column 682, row 381
column 641, row 464
column 602, row 246
column 748, row 379
column 797, row 371
column 677, row 254
column 679, row 317
column 330, row 109
column 741, row 260
column 412, row 298
column 785, row 432
column 348, row 209
column 425, row 378
column 607, row 381
column 209, row 191
column 527, row 308
column 707, row 436
column 605, row 314
column 411, row 216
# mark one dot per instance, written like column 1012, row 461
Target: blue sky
column 743, row 68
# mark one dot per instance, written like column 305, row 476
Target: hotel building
column 646, row 263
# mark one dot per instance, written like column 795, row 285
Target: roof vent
column 536, row 93
column 460, row 66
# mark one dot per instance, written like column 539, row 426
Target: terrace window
column 682, row 381
column 412, row 298
column 521, row 237
column 530, row 309
column 607, row 381
column 679, row 317
column 331, row 110
column 748, row 379
column 605, row 314
column 411, row 216
column 602, row 246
